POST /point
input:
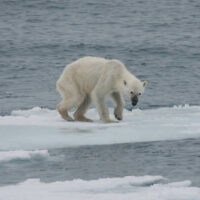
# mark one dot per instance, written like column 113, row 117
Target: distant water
column 158, row 41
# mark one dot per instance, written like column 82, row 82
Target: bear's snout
column 134, row 100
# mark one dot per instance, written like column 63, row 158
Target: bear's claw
column 117, row 114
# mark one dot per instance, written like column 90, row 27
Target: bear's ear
column 124, row 82
column 145, row 83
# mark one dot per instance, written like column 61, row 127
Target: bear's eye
column 139, row 93
column 131, row 92
column 124, row 82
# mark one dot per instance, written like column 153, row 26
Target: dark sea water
column 176, row 160
column 158, row 41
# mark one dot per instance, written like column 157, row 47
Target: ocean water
column 153, row 153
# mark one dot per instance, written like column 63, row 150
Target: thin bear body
column 89, row 80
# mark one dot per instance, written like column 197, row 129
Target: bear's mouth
column 134, row 100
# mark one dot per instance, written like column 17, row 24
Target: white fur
column 92, row 79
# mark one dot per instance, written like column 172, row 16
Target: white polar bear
column 91, row 79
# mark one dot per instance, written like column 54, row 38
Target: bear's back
column 85, row 72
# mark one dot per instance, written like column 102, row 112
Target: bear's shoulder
column 116, row 65
column 88, row 59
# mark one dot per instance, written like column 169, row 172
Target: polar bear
column 91, row 79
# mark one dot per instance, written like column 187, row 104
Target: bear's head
column 133, row 89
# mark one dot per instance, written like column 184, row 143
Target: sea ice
column 124, row 188
column 41, row 128
column 21, row 155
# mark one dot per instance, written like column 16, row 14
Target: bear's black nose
column 134, row 100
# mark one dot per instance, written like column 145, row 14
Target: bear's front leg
column 99, row 101
column 118, row 113
column 118, row 99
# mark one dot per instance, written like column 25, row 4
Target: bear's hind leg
column 63, row 108
column 79, row 114
column 71, row 98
